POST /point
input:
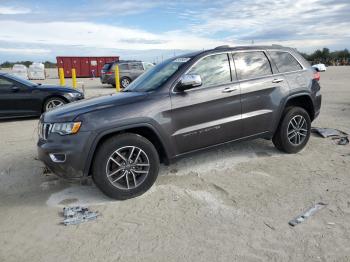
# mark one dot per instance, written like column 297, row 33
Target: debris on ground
column 77, row 215
column 269, row 226
column 302, row 217
column 342, row 141
column 327, row 132
column 175, row 197
column 340, row 136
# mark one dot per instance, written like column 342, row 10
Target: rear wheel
column 52, row 103
column 125, row 166
column 293, row 132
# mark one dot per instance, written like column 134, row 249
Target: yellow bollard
column 74, row 78
column 61, row 74
column 116, row 77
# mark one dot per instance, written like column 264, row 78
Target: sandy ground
column 232, row 203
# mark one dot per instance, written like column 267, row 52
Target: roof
column 248, row 47
column 234, row 48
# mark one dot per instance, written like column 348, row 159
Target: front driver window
column 214, row 70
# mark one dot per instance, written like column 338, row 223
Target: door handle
column 278, row 80
column 229, row 89
column 14, row 89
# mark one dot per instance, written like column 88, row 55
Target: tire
column 124, row 82
column 48, row 105
column 122, row 185
column 289, row 139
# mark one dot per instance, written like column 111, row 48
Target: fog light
column 58, row 158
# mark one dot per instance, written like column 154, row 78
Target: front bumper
column 74, row 148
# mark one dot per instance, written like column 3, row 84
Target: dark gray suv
column 182, row 105
column 128, row 72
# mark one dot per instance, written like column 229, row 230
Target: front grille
column 44, row 130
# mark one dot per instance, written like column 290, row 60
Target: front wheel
column 125, row 166
column 293, row 133
column 52, row 103
column 124, row 82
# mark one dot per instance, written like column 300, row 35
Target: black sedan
column 22, row 98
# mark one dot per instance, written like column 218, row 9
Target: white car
column 36, row 71
column 320, row 67
column 20, row 71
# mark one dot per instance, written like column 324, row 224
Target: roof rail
column 222, row 47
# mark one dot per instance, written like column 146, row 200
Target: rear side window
column 251, row 65
column 106, row 66
column 285, row 62
column 121, row 66
column 136, row 66
column 214, row 70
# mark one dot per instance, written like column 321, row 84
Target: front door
column 17, row 99
column 209, row 114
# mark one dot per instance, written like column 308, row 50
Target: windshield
column 21, row 80
column 156, row 76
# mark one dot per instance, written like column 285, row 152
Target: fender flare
column 283, row 106
column 102, row 134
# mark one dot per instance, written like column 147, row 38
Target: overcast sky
column 148, row 30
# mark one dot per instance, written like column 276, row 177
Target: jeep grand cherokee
column 182, row 105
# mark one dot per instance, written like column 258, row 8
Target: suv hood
column 70, row 111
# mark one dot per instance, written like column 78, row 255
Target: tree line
column 325, row 56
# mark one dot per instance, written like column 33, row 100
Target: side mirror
column 188, row 81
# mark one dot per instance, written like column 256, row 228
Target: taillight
column 317, row 75
column 109, row 73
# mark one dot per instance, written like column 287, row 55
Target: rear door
column 84, row 67
column 136, row 69
column 68, row 67
column 93, row 66
column 297, row 78
column 261, row 92
column 76, row 65
column 209, row 114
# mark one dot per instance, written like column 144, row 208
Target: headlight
column 73, row 95
column 66, row 128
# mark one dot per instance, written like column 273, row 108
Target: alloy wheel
column 53, row 103
column 125, row 82
column 127, row 167
column 297, row 130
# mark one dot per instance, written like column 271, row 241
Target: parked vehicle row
column 36, row 71
column 22, row 98
column 128, row 72
column 185, row 104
